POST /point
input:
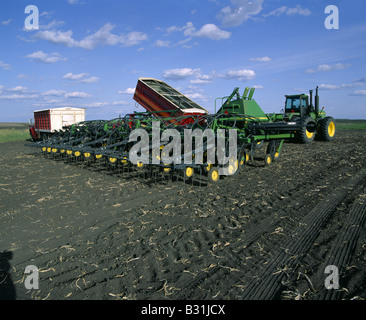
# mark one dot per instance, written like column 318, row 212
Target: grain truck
column 48, row 121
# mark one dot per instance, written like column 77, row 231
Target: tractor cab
column 298, row 104
column 302, row 105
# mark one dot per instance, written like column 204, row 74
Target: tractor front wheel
column 305, row 135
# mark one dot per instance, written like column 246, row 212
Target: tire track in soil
column 247, row 246
column 347, row 253
column 306, row 281
column 341, row 251
column 268, row 284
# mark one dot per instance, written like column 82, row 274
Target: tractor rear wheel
column 327, row 129
column 304, row 135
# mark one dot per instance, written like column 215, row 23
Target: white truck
column 48, row 121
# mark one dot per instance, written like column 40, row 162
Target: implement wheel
column 214, row 175
column 243, row 159
column 188, row 172
column 207, row 168
column 268, row 160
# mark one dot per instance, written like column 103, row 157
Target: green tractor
column 316, row 124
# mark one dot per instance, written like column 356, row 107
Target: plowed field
column 266, row 233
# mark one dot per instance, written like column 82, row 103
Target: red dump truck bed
column 156, row 95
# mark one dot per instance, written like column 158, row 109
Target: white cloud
column 17, row 96
column 104, row 104
column 20, row 93
column 127, row 91
column 175, row 28
column 92, row 79
column 103, row 36
column 359, row 93
column 23, row 76
column 209, row 31
column 6, row 22
column 57, row 37
column 43, row 57
column 328, row 67
column 81, row 77
column 199, row 78
column 239, row 11
column 77, row 94
column 361, row 80
column 202, row 79
column 53, row 92
column 242, row 75
column 342, row 86
column 196, row 96
column 72, row 76
column 298, row 10
column 161, row 43
column 52, row 24
column 18, row 89
column 5, row 66
column 261, row 59
column 180, row 73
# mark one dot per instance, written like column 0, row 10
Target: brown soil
column 266, row 233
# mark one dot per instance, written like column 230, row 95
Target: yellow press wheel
column 276, row 156
column 207, row 167
column 268, row 160
column 233, row 166
column 214, row 175
column 188, row 172
column 243, row 159
column 167, row 169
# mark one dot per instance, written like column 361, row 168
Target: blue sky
column 90, row 53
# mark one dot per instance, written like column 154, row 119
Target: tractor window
column 304, row 102
column 293, row 104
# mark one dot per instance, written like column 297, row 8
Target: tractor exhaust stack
column 317, row 100
column 311, row 98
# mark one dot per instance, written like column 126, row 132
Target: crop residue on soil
column 267, row 233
